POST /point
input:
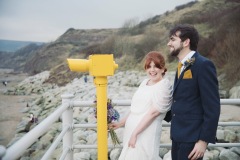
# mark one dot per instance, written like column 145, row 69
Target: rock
column 235, row 92
column 92, row 138
column 56, row 154
column 236, row 150
column 45, row 140
column 82, row 156
column 223, row 94
column 230, row 136
column 163, row 151
column 211, row 155
column 167, row 156
column 115, row 153
column 220, row 134
column 165, row 137
column 228, row 155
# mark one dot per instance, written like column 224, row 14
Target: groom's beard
column 175, row 52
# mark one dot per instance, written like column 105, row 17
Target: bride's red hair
column 157, row 59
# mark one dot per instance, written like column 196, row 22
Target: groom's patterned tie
column 179, row 68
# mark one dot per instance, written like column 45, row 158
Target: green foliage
column 126, row 62
column 206, row 45
column 186, row 5
column 132, row 28
column 148, row 43
column 149, row 21
column 190, row 17
column 128, row 27
column 226, row 53
column 108, row 45
column 123, row 46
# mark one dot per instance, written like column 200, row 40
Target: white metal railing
column 66, row 111
column 18, row 148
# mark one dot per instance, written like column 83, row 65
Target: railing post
column 101, row 85
column 67, row 120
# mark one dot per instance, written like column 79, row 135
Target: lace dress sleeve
column 162, row 96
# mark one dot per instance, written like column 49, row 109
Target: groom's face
column 175, row 44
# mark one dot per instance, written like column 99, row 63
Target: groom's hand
column 198, row 150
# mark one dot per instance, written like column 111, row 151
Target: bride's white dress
column 147, row 145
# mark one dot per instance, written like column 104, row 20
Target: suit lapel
column 178, row 80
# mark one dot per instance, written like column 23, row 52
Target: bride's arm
column 144, row 123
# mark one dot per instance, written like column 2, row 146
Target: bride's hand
column 113, row 126
column 132, row 141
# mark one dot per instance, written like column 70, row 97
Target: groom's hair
column 186, row 32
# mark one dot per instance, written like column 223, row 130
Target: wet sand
column 10, row 105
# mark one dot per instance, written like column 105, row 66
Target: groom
column 196, row 103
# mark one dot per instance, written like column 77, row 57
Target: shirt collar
column 188, row 56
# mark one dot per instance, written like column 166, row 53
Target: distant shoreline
column 13, row 45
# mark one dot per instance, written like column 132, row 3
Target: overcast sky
column 46, row 20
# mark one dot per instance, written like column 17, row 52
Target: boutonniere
column 189, row 62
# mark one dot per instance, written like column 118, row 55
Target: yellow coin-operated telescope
column 97, row 65
column 100, row 66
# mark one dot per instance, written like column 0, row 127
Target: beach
column 10, row 105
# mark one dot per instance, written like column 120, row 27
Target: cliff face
column 34, row 58
column 69, row 44
column 17, row 60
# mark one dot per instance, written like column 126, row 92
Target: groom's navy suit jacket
column 196, row 103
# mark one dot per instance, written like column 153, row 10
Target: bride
column 143, row 124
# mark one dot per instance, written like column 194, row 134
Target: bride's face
column 154, row 73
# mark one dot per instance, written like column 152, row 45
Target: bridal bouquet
column 112, row 115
